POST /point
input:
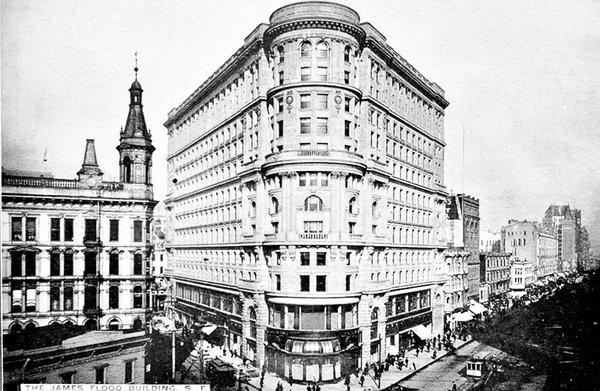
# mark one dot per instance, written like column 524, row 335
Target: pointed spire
column 136, row 67
column 90, row 163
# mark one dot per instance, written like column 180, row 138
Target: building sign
column 407, row 323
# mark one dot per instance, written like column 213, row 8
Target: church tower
column 135, row 147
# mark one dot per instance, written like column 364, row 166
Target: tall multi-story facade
column 456, row 287
column 463, row 213
column 528, row 241
column 495, row 272
column 306, row 196
column 77, row 250
column 561, row 221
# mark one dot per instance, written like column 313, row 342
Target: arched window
column 313, row 204
column 253, row 209
column 305, row 48
column 347, row 51
column 352, row 209
column 322, row 50
column 280, row 54
column 274, row 205
column 113, row 325
column 127, row 169
column 374, row 209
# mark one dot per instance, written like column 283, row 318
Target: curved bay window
column 280, row 55
column 313, row 204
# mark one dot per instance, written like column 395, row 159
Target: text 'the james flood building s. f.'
column 306, row 196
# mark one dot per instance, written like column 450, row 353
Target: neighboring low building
column 96, row 357
column 495, row 272
column 521, row 276
column 77, row 250
column 527, row 240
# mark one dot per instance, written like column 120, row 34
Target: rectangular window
column 321, row 259
column 351, row 227
column 304, row 283
column 304, row 125
column 68, row 230
column 137, row 264
column 90, row 229
column 321, row 73
column 305, row 74
column 55, row 264
column 305, row 101
column 275, row 226
column 321, row 102
column 16, row 267
column 137, row 231
column 321, row 283
column 348, row 279
column 313, row 179
column 129, row 372
column 68, row 298
column 347, row 127
column 304, row 258
column 68, row 264
column 279, row 128
column 304, row 147
column 278, row 282
column 67, row 378
column 30, row 233
column 302, row 178
column 280, row 77
column 114, row 231
column 321, row 125
column 313, row 227
column 347, row 104
column 100, row 375
column 322, row 146
column 346, row 77
column 113, row 263
column 55, row 230
column 324, row 177
column 113, row 297
column 374, row 229
column 17, row 228
column 30, row 264
column 279, row 105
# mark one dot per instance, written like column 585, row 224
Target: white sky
column 522, row 78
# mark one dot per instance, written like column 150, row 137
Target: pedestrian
column 362, row 380
column 309, row 388
column 454, row 387
column 414, row 366
column 417, row 352
column 291, row 381
column 434, row 355
column 406, row 361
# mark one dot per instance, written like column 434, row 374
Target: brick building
column 495, row 272
column 306, row 196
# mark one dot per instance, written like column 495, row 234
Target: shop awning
column 477, row 308
column 561, row 274
column 462, row 316
column 208, row 329
column 422, row 332
column 313, row 300
column 538, row 283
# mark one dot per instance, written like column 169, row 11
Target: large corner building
column 76, row 251
column 306, row 196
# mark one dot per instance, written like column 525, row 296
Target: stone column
column 43, row 264
column 78, row 295
column 43, row 299
column 364, row 324
column 246, row 303
column 6, row 298
column 262, row 319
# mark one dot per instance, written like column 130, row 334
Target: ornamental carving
column 338, row 101
column 289, row 99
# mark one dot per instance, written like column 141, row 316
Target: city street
column 443, row 373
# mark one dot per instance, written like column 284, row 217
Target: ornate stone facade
column 306, row 195
column 77, row 251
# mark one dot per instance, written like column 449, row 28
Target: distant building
column 455, row 256
column 463, row 213
column 77, row 250
column 495, row 272
column 521, row 276
column 528, row 241
column 489, row 241
column 96, row 357
column 565, row 224
column 160, row 287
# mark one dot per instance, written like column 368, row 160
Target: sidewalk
column 394, row 375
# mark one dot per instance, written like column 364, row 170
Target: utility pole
column 173, row 355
